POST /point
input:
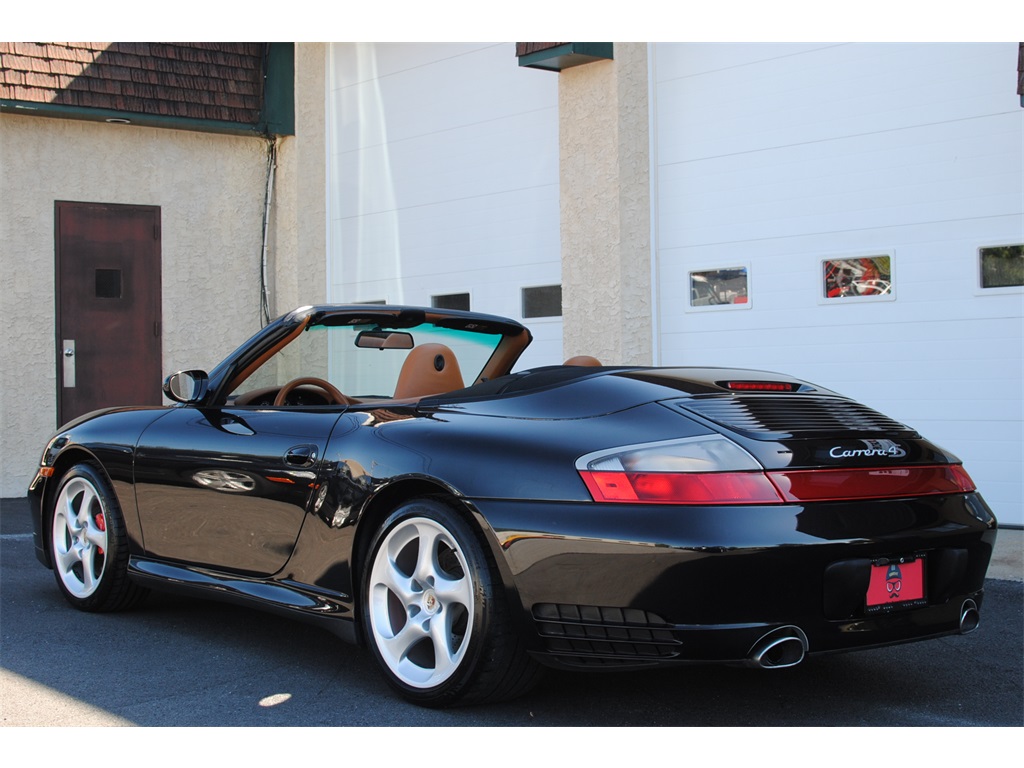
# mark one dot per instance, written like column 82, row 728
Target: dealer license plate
column 895, row 584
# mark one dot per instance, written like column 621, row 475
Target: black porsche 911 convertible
column 380, row 471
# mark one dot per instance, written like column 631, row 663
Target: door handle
column 69, row 363
column 303, row 456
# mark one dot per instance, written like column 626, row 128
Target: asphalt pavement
column 179, row 661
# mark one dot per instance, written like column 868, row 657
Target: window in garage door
column 722, row 288
column 541, row 301
column 1002, row 266
column 450, row 301
column 858, row 277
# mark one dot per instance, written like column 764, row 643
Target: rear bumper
column 621, row 585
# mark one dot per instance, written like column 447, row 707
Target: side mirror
column 187, row 386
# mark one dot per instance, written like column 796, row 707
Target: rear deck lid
column 783, row 416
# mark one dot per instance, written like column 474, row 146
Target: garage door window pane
column 857, row 277
column 542, row 301
column 719, row 287
column 450, row 301
column 1002, row 266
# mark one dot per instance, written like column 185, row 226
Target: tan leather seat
column 430, row 369
column 583, row 360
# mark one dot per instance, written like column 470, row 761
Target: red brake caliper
column 101, row 523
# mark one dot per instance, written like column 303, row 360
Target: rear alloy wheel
column 434, row 611
column 89, row 546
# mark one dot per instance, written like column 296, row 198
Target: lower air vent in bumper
column 586, row 635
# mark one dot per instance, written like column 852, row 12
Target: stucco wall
column 210, row 189
column 605, row 208
column 298, row 238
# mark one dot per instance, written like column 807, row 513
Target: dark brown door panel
column 108, row 306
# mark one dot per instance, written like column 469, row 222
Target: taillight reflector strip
column 806, row 485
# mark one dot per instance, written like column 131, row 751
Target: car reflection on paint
column 225, row 481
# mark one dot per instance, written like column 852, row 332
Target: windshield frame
column 508, row 339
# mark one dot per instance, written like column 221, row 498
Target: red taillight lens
column 806, row 485
column 963, row 480
column 681, row 488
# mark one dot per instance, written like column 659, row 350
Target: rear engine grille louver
column 781, row 416
column 585, row 635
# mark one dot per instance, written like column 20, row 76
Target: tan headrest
column 583, row 360
column 430, row 369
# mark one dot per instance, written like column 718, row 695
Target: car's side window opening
column 367, row 364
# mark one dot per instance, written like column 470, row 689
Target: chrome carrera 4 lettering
column 872, row 448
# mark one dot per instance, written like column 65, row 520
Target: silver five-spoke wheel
column 434, row 610
column 89, row 542
column 79, row 537
column 421, row 602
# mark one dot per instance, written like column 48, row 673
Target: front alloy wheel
column 88, row 544
column 79, row 537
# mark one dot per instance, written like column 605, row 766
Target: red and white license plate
column 896, row 583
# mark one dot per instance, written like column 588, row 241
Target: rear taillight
column 711, row 470
column 700, row 470
column 668, row 488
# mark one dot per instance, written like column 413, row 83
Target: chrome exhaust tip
column 778, row 649
column 970, row 617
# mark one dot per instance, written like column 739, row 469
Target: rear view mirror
column 384, row 340
column 186, row 386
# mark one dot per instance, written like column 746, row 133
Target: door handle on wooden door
column 69, row 362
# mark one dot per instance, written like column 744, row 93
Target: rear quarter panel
column 376, row 459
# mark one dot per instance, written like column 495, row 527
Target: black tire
column 89, row 544
column 434, row 613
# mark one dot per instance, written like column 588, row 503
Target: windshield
column 360, row 361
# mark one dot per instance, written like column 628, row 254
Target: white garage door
column 443, row 181
column 820, row 210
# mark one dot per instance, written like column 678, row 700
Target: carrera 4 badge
column 868, row 449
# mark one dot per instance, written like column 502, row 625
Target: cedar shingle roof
column 203, row 81
column 522, row 49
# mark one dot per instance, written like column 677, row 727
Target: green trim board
column 37, row 109
column 567, row 55
column 278, row 113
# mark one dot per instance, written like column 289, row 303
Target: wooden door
column 108, row 307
